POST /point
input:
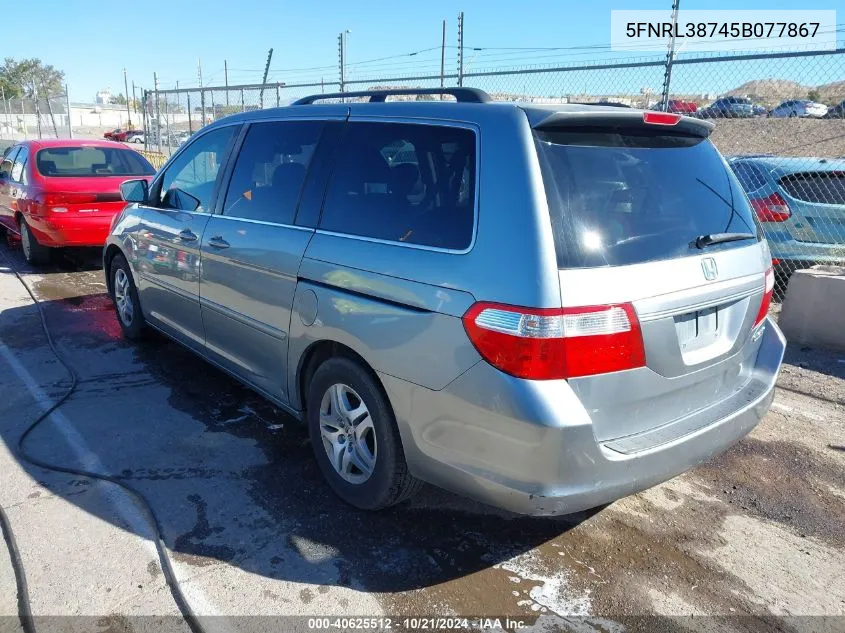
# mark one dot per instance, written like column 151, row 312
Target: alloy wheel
column 122, row 297
column 348, row 434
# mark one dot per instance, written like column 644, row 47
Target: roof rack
column 463, row 95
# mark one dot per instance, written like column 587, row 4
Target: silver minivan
column 542, row 308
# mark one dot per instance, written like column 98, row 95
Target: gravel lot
column 755, row 533
column 787, row 137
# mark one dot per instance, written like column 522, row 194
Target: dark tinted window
column 270, row 170
column 620, row 196
column 91, row 161
column 825, row 187
column 404, row 183
column 194, row 171
column 750, row 176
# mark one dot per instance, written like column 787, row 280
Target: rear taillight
column 553, row 343
column 62, row 198
column 767, row 297
column 661, row 118
column 772, row 208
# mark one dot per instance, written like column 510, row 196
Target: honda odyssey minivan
column 542, row 308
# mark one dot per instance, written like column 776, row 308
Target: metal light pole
column 126, row 92
column 443, row 58
column 461, row 48
column 69, row 121
column 341, row 47
column 670, row 57
column 226, row 79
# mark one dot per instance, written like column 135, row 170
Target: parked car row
column 568, row 312
column 743, row 107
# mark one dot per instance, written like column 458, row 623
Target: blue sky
column 93, row 41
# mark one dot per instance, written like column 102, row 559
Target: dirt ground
column 751, row 540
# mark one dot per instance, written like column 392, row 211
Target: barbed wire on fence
column 789, row 155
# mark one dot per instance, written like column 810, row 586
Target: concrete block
column 813, row 311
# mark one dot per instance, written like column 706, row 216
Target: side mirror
column 135, row 190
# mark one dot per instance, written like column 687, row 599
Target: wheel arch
column 316, row 354
column 111, row 251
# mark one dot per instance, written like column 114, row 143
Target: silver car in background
column 799, row 108
column 543, row 308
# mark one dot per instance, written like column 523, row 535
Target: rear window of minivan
column 622, row 196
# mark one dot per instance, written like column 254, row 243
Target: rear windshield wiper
column 703, row 241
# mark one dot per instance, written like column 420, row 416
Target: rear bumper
column 529, row 446
column 71, row 229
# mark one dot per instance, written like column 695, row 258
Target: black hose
column 24, row 608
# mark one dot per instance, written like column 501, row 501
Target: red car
column 56, row 193
column 679, row 106
column 119, row 134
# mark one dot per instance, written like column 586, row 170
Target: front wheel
column 354, row 437
column 35, row 253
column 125, row 296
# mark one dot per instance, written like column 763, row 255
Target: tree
column 814, row 95
column 119, row 99
column 28, row 77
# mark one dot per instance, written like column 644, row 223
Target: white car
column 800, row 108
column 135, row 137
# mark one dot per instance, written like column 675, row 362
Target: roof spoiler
column 621, row 117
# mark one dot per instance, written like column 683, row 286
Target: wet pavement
column 252, row 529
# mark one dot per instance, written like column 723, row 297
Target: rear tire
column 373, row 442
column 36, row 254
column 125, row 297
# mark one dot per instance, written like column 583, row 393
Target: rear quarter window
column 750, row 176
column 627, row 196
column 405, row 183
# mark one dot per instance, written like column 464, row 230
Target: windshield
column 626, row 196
column 91, row 162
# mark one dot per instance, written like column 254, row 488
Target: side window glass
column 270, row 170
column 188, row 183
column 404, row 183
column 8, row 161
column 18, row 167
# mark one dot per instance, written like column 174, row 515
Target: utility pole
column 69, row 122
column 5, row 105
column 37, row 111
column 50, row 110
column 226, row 79
column 670, row 57
column 126, row 92
column 461, row 48
column 264, row 79
column 202, row 92
column 341, row 53
column 443, row 58
column 158, row 112
column 134, row 99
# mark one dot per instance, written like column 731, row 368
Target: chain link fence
column 779, row 117
column 34, row 118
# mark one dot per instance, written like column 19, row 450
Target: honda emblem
column 708, row 265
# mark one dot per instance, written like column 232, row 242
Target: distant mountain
column 770, row 88
column 781, row 89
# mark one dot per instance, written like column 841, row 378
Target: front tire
column 125, row 296
column 36, row 254
column 354, row 437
